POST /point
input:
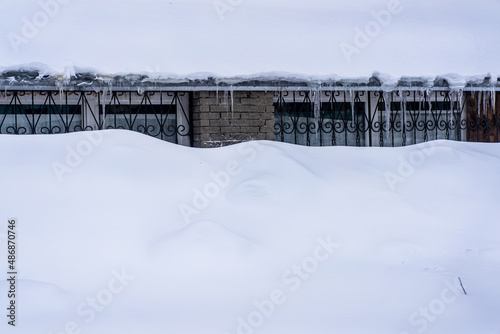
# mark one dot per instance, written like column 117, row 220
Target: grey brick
column 230, row 129
column 219, row 122
column 220, row 108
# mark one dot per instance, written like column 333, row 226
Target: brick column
column 220, row 119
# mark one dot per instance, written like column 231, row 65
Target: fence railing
column 373, row 118
column 164, row 115
column 307, row 117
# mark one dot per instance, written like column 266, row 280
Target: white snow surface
column 283, row 239
column 259, row 38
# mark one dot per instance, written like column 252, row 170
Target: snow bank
column 118, row 232
column 189, row 38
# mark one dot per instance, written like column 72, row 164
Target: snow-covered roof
column 34, row 79
column 199, row 39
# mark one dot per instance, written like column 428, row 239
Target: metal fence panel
column 164, row 115
column 385, row 119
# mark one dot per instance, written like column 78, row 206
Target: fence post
column 183, row 119
column 90, row 111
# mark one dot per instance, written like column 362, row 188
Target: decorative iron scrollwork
column 48, row 112
column 397, row 118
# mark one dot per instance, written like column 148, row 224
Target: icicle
column 61, row 91
column 103, row 102
column 317, row 104
column 217, row 93
column 459, row 98
column 225, row 98
column 485, row 106
column 453, row 98
column 232, row 101
column 493, row 99
column 477, row 102
column 351, row 96
column 420, row 101
column 387, row 112
column 403, row 108
column 317, row 112
column 429, row 101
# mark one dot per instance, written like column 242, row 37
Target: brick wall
column 220, row 119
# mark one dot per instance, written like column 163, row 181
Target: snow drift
column 118, row 232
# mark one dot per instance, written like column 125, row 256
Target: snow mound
column 143, row 236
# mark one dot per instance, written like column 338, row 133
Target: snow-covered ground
column 227, row 38
column 117, row 232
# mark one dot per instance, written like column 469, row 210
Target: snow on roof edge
column 42, row 75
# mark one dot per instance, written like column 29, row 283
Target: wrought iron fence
column 164, row 115
column 158, row 114
column 38, row 113
column 315, row 118
column 375, row 118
